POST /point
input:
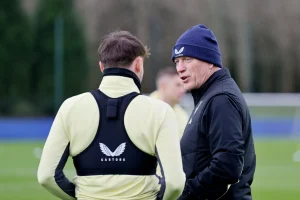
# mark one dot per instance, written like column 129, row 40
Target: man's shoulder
column 220, row 98
column 82, row 98
column 153, row 102
column 223, row 102
column 145, row 108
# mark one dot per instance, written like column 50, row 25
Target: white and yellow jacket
column 150, row 125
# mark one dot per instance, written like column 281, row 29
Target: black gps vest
column 112, row 151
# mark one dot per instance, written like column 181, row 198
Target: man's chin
column 188, row 88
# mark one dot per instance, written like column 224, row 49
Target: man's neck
column 123, row 72
column 213, row 70
column 217, row 74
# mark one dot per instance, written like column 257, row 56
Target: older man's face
column 193, row 72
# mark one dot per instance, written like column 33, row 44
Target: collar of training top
column 218, row 75
column 122, row 72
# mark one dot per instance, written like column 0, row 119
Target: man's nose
column 180, row 67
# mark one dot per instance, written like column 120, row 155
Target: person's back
column 115, row 136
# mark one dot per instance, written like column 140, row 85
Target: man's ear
column 138, row 64
column 101, row 66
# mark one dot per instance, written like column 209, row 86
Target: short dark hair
column 120, row 48
column 167, row 71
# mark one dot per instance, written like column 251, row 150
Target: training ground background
column 277, row 142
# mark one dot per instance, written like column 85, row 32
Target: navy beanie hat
column 198, row 42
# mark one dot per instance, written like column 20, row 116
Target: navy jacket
column 217, row 145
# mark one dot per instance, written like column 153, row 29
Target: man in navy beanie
column 217, row 145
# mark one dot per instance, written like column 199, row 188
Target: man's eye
column 187, row 59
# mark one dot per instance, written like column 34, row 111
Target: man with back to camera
column 217, row 146
column 114, row 135
column 170, row 90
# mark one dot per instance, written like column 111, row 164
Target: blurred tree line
column 258, row 41
column 27, row 57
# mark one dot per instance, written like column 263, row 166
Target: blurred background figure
column 170, row 90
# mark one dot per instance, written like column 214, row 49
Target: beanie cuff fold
column 198, row 52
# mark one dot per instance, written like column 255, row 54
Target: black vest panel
column 112, row 152
column 193, row 141
column 196, row 146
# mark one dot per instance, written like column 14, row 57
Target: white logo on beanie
column 180, row 50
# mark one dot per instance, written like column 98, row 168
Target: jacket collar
column 217, row 76
column 119, row 82
column 123, row 73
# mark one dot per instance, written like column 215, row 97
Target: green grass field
column 277, row 176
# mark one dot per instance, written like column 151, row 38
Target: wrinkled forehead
column 181, row 57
